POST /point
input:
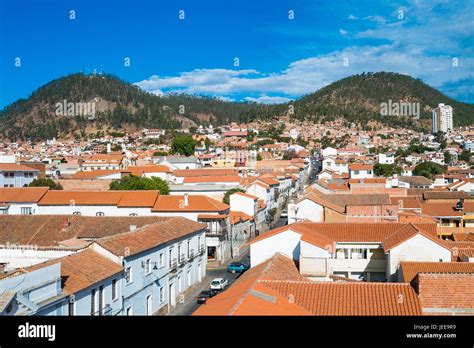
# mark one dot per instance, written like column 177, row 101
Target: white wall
column 417, row 248
column 307, row 209
column 287, row 243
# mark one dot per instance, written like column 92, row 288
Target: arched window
column 133, row 214
column 76, row 213
column 99, row 213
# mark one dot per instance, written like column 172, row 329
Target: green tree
column 132, row 182
column 386, row 170
column 183, row 144
column 207, row 143
column 45, row 182
column 447, row 157
column 428, row 169
column 465, row 156
column 160, row 153
column 226, row 198
column 288, row 155
column 259, row 157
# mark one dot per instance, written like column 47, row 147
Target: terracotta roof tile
column 22, row 195
column 150, row 236
column 409, row 269
column 198, row 203
column 82, row 270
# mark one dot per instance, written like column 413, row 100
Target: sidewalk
column 243, row 252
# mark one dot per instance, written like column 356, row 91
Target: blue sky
column 279, row 58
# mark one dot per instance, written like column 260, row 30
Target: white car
column 219, row 284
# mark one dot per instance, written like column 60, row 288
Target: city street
column 190, row 305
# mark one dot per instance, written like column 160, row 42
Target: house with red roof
column 361, row 251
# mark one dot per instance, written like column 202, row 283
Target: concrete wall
column 417, row 248
column 287, row 243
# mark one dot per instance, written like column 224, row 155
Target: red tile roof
column 117, row 198
column 150, row 236
column 197, row 203
column 13, row 167
column 321, row 233
column 22, row 195
column 276, row 288
column 82, row 270
column 409, row 269
column 443, row 294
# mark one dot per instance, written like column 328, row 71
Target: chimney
column 185, row 199
column 133, row 228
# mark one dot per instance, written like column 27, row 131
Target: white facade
column 442, row 118
column 306, row 209
column 417, row 248
column 243, row 203
column 386, row 159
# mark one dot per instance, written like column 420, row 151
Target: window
column 93, row 309
column 71, row 307
column 170, row 257
column 28, row 174
column 128, row 275
column 129, row 311
column 179, row 253
column 356, row 172
column 9, row 174
column 26, row 211
column 148, row 266
column 149, row 305
column 162, row 260
column 76, row 213
column 99, row 213
column 189, row 249
column 133, row 214
column 101, row 300
column 114, row 289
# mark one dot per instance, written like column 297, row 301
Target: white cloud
column 268, row 100
column 352, row 17
column 421, row 45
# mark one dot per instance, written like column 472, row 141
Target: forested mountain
column 357, row 98
column 121, row 105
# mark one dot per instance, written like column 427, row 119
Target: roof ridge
column 139, row 229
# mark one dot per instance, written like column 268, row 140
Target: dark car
column 204, row 295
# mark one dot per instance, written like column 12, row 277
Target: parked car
column 237, row 267
column 204, row 295
column 219, row 284
column 284, row 213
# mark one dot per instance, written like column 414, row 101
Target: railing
column 202, row 250
column 173, row 265
column 106, row 310
column 191, row 254
column 182, row 260
column 216, row 232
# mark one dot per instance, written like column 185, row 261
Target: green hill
column 121, row 105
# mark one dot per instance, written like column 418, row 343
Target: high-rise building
column 442, row 118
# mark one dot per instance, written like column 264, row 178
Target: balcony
column 359, row 265
column 182, row 260
column 214, row 232
column 173, row 266
column 202, row 250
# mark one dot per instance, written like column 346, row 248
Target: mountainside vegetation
column 120, row 106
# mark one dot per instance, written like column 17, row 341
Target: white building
column 363, row 251
column 442, row 118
